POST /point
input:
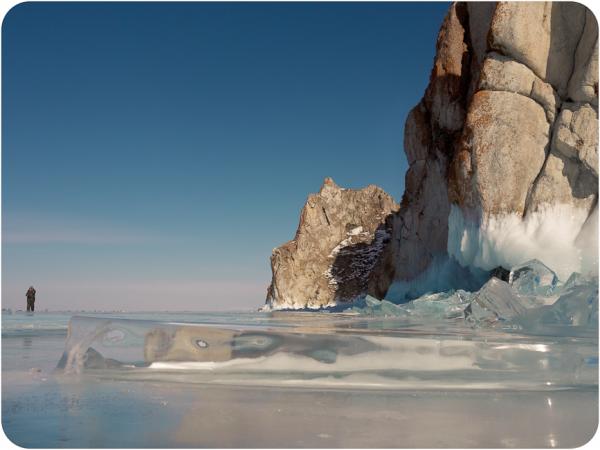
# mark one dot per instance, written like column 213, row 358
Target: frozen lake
column 290, row 380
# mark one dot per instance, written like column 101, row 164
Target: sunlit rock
column 518, row 161
column 340, row 251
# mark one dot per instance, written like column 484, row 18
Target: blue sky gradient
column 154, row 154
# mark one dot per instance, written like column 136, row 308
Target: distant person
column 30, row 298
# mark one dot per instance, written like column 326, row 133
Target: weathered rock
column 525, row 137
column 480, row 18
column 547, row 97
column 444, row 98
column 505, row 136
column 522, row 32
column 576, row 134
column 500, row 73
column 339, row 251
column 563, row 181
column 570, row 173
column 542, row 35
column 417, row 134
column 421, row 228
column 583, row 85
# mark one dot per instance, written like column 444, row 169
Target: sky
column 154, row 154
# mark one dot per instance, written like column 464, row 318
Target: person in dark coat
column 30, row 298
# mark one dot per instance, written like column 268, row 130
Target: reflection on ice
column 348, row 353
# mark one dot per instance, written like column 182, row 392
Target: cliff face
column 502, row 148
column 507, row 130
column 340, row 250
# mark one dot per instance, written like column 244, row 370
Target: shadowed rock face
column 340, row 250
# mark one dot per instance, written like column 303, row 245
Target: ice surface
column 22, row 323
column 302, row 379
column 501, row 356
column 92, row 413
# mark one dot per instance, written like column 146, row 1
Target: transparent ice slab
column 328, row 350
column 533, row 278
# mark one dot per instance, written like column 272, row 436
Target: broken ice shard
column 533, row 278
column 576, row 307
column 496, row 300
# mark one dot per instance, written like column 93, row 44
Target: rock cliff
column 340, row 250
column 505, row 139
column 502, row 152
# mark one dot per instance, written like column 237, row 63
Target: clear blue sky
column 154, row 154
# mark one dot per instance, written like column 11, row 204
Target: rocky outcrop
column 340, row 251
column 503, row 144
column 431, row 130
column 524, row 136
